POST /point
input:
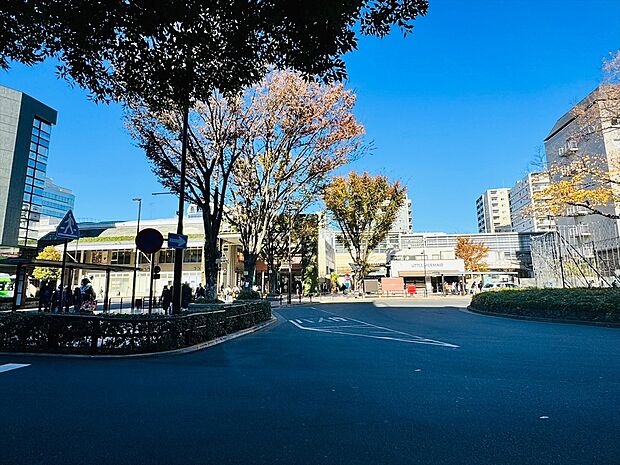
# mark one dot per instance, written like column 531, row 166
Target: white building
column 493, row 211
column 593, row 131
column 523, row 204
column 404, row 218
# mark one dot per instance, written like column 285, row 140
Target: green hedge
column 124, row 334
column 578, row 304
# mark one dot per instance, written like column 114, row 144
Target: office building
column 57, row 200
column 25, row 128
column 493, row 211
column 523, row 202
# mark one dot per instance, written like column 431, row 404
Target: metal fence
column 579, row 255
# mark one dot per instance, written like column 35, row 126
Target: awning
column 32, row 262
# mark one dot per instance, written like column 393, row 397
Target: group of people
column 187, row 295
column 55, row 299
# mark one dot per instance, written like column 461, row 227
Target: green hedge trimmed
column 579, row 304
column 124, row 334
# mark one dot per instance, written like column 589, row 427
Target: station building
column 426, row 259
column 113, row 243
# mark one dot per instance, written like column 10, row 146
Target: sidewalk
column 431, row 299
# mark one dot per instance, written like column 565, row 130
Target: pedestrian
column 186, row 295
column 89, row 298
column 56, row 300
column 166, row 299
column 77, row 300
column 66, row 299
column 200, row 291
column 45, row 296
column 480, row 286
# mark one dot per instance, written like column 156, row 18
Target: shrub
column 124, row 334
column 203, row 300
column 597, row 304
column 248, row 294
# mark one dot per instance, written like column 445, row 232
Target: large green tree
column 365, row 208
column 169, row 55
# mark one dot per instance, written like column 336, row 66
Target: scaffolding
column 579, row 255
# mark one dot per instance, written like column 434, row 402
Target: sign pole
column 62, row 273
column 151, row 284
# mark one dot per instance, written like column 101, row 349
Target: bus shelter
column 25, row 266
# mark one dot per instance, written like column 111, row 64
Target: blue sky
column 458, row 107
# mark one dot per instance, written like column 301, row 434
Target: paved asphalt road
column 331, row 384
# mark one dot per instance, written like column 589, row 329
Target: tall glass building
column 56, row 201
column 25, row 129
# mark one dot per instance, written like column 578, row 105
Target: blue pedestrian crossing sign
column 177, row 241
column 68, row 228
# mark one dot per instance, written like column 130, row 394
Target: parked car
column 497, row 286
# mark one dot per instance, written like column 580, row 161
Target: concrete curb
column 181, row 351
column 600, row 324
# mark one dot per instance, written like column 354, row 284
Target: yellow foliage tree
column 48, row 253
column 472, row 254
column 586, row 180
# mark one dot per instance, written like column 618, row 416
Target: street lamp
column 135, row 264
column 290, row 258
column 424, row 260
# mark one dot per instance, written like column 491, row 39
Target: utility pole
column 561, row 260
column 135, row 264
column 178, row 253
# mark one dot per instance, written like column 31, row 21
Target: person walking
column 166, row 299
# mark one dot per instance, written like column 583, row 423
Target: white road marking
column 413, row 339
column 12, row 366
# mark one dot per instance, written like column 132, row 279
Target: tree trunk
column 210, row 255
column 249, row 269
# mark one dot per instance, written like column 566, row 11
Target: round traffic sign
column 149, row 240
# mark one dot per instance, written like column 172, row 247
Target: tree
column 178, row 49
column 214, row 145
column 586, row 179
column 303, row 242
column 365, row 208
column 298, row 132
column 473, row 254
column 53, row 274
column 169, row 55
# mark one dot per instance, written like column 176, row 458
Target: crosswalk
column 12, row 366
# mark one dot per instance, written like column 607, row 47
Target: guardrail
column 125, row 334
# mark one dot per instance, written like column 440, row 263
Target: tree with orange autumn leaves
column 253, row 157
column 472, row 253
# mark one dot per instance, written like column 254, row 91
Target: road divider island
column 600, row 305
column 118, row 334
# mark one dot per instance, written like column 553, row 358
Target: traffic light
column 156, row 271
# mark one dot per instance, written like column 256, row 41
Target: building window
column 121, row 257
column 96, row 257
column 166, row 256
column 192, row 255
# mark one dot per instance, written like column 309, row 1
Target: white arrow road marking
column 12, row 366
